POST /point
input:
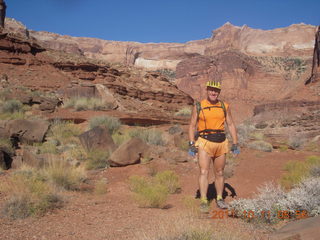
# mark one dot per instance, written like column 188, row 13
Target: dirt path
column 116, row 216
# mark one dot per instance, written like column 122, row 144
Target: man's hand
column 192, row 149
column 235, row 149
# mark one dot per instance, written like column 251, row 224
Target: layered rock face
column 296, row 40
column 145, row 94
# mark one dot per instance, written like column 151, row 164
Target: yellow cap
column 214, row 84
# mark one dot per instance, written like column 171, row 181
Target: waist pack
column 218, row 137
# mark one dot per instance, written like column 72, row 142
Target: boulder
column 5, row 159
column 28, row 131
column 129, row 153
column 305, row 229
column 97, row 138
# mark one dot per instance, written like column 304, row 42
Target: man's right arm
column 193, row 124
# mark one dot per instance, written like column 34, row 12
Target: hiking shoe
column 221, row 204
column 204, row 207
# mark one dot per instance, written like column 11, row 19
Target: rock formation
column 3, row 8
column 315, row 75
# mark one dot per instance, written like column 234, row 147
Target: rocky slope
column 146, row 94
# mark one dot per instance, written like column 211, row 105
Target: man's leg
column 204, row 164
column 218, row 168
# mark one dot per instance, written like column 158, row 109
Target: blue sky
column 158, row 21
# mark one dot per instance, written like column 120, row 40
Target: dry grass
column 184, row 112
column 63, row 175
column 111, row 123
column 150, row 136
column 82, row 104
column 64, row 132
column 101, row 186
column 28, row 195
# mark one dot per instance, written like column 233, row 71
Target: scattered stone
column 129, row 153
column 97, row 138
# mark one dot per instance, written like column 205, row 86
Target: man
column 208, row 118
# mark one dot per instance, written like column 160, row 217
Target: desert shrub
column 297, row 171
column 63, row 175
column 303, row 197
column 150, row 136
column 96, row 159
column 283, row 148
column 148, row 193
column 29, row 195
column 184, row 112
column 315, row 171
column 256, row 135
column 169, row 179
column 263, row 206
column 101, row 186
column 12, row 106
column 111, row 123
column 119, row 137
column 64, row 131
column 244, row 130
column 296, row 142
column 47, row 147
column 175, row 129
column 154, row 196
column 260, row 145
column 82, row 104
column 272, row 200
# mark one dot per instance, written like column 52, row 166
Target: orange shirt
column 211, row 118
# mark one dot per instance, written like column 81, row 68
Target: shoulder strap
column 224, row 108
column 198, row 105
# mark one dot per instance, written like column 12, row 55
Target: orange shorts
column 212, row 148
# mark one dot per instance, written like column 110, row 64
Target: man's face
column 213, row 93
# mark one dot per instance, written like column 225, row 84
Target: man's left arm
column 233, row 132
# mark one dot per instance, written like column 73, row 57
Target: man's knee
column 219, row 172
column 204, row 172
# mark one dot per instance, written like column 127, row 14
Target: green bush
column 154, row 191
column 119, row 137
column 297, row 171
column 150, row 136
column 111, row 123
column 169, row 179
column 148, row 193
column 96, row 159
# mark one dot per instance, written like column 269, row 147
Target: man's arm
column 193, row 123
column 231, row 126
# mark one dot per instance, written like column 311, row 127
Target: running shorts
column 212, row 148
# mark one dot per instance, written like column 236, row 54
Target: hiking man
column 210, row 143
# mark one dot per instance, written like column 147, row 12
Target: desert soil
column 116, row 216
